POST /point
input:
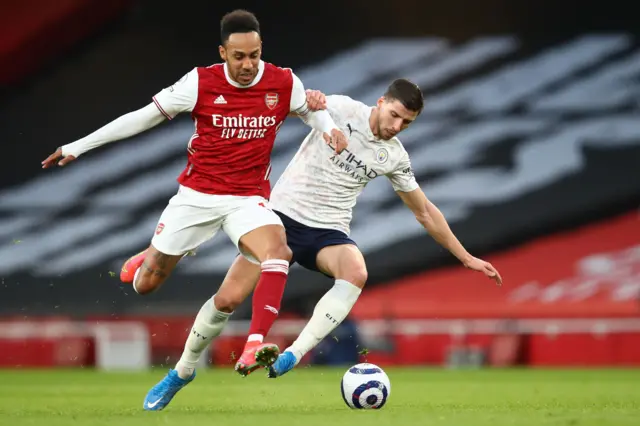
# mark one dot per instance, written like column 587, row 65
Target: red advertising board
column 593, row 271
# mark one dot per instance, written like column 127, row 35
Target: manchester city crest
column 382, row 155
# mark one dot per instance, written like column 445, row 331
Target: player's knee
column 280, row 251
column 286, row 253
column 227, row 300
column 357, row 276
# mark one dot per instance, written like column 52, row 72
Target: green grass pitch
column 311, row 396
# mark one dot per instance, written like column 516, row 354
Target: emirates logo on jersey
column 271, row 100
column 243, row 127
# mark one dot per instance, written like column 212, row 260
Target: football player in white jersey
column 315, row 197
column 316, row 194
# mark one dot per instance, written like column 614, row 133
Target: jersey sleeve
column 298, row 95
column 180, row 97
column 402, row 178
column 340, row 105
column 318, row 120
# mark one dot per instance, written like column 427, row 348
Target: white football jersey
column 319, row 187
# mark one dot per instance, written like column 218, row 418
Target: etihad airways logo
column 243, row 127
column 356, row 168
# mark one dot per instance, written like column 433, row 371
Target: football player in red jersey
column 237, row 107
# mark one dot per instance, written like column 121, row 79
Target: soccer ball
column 365, row 386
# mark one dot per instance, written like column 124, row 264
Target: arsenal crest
column 159, row 228
column 271, row 100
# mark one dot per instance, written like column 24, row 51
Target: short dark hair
column 408, row 93
column 238, row 21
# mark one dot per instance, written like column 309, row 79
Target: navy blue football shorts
column 306, row 242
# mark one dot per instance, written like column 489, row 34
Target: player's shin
column 207, row 326
column 267, row 297
column 329, row 312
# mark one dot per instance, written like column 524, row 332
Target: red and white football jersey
column 235, row 125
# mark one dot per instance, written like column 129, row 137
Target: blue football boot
column 285, row 362
column 163, row 392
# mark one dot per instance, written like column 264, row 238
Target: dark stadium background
column 61, row 79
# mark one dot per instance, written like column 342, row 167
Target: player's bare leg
column 238, row 284
column 343, row 262
column 346, row 263
column 268, row 244
column 147, row 270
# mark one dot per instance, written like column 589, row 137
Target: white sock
column 208, row 325
column 255, row 338
column 329, row 312
column 135, row 278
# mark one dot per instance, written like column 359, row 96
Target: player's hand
column 57, row 158
column 337, row 140
column 316, row 100
column 484, row 267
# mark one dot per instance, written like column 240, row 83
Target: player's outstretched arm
column 178, row 98
column 122, row 127
column 432, row 219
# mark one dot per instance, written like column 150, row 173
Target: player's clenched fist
column 57, row 158
column 337, row 140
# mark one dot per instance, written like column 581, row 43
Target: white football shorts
column 192, row 218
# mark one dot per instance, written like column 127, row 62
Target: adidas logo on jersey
column 220, row 100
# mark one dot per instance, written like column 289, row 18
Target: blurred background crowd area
column 529, row 143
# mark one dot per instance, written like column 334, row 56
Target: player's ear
column 223, row 53
column 380, row 100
